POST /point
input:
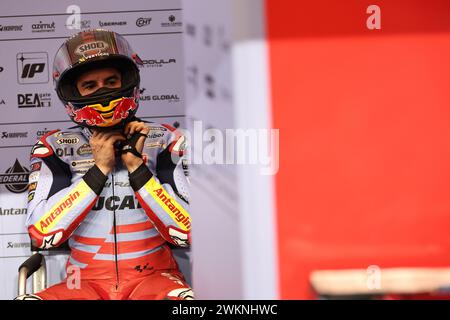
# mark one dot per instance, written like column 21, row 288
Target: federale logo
column 15, row 178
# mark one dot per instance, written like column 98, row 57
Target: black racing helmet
column 92, row 49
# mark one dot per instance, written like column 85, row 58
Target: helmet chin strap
column 120, row 126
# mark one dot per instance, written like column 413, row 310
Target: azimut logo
column 15, row 178
column 43, row 27
column 41, row 133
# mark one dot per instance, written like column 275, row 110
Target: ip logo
column 32, row 67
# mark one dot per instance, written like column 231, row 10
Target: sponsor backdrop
column 30, row 34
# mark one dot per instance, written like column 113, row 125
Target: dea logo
column 15, row 178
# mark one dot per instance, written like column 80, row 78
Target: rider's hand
column 130, row 160
column 102, row 144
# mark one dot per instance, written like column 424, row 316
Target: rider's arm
column 164, row 196
column 56, row 204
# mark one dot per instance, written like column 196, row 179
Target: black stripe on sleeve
column 139, row 177
column 95, row 179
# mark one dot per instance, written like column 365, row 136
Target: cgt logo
column 32, row 67
column 143, row 22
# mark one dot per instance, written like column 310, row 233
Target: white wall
column 227, row 87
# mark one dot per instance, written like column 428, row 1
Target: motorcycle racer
column 114, row 187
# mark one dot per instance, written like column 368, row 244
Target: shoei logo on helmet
column 91, row 48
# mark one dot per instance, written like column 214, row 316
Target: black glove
column 129, row 145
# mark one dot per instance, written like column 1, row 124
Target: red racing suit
column 118, row 226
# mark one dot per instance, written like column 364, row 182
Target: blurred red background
column 364, row 119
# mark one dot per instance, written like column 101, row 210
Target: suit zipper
column 115, row 232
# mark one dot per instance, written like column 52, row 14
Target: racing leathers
column 118, row 226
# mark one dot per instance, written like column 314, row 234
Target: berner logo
column 15, row 178
column 143, row 22
column 43, row 27
column 112, row 23
column 34, row 100
column 11, row 28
